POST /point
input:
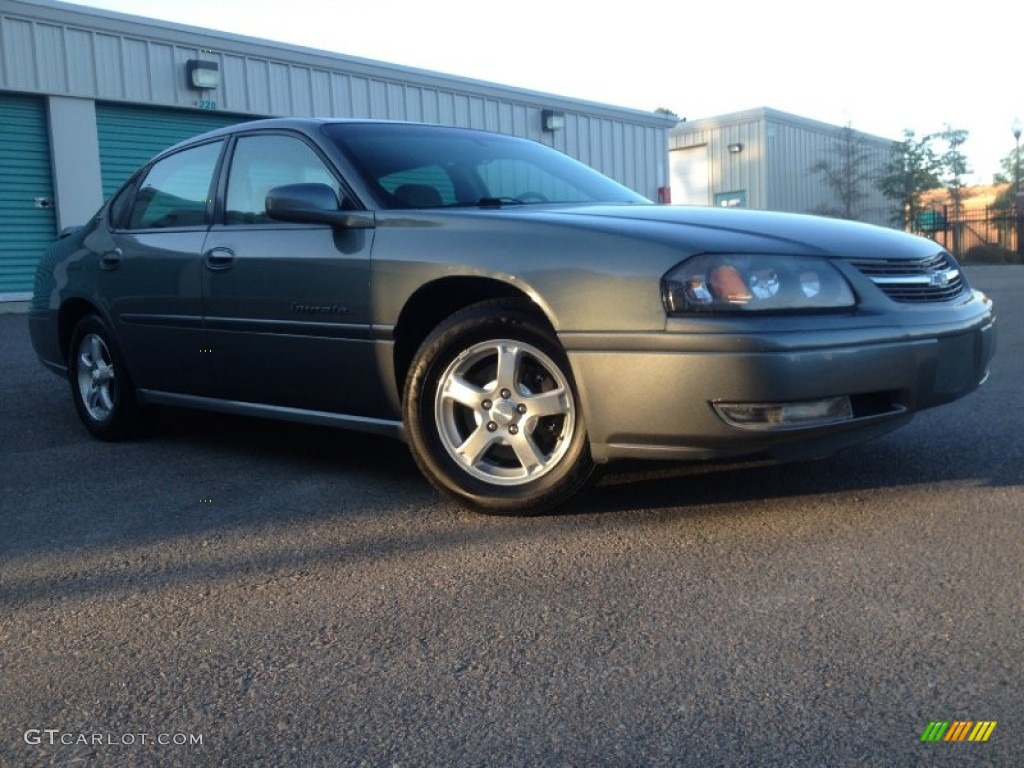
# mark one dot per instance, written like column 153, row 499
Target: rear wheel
column 100, row 386
column 493, row 414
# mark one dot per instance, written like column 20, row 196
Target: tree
column 847, row 172
column 1008, row 222
column 912, row 169
column 1004, row 201
column 953, row 166
column 1008, row 163
column 953, row 163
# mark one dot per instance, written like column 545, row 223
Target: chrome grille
column 935, row 279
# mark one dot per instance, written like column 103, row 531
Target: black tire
column 101, row 388
column 492, row 412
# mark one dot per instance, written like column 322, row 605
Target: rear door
column 150, row 271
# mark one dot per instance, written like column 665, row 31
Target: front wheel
column 493, row 415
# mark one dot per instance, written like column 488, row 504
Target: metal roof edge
column 768, row 113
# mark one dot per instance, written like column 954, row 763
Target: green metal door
column 129, row 136
column 27, row 221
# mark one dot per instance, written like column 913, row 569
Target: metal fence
column 994, row 235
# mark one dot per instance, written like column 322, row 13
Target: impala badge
column 318, row 309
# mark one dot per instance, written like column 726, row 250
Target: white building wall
column 52, row 48
column 729, row 171
column 772, row 166
column 794, row 146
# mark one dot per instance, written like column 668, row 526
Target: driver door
column 287, row 306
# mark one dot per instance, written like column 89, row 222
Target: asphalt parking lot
column 232, row 592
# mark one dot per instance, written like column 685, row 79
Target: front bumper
column 652, row 395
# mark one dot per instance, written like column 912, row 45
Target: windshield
column 423, row 166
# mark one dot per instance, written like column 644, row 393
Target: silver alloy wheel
column 505, row 412
column 96, row 378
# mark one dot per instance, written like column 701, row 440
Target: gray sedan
column 513, row 315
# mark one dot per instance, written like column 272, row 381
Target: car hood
column 720, row 230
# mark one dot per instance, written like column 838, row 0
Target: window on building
column 736, row 199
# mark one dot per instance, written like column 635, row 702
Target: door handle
column 219, row 258
column 111, row 259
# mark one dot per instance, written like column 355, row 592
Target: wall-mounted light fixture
column 202, row 75
column 735, row 149
column 552, row 120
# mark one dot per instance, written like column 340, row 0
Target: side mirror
column 313, row 204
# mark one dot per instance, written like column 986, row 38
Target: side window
column 121, row 205
column 176, row 191
column 260, row 163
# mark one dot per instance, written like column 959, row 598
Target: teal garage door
column 27, row 221
column 129, row 136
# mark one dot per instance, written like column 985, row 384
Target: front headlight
column 754, row 283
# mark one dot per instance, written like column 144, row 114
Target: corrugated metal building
column 86, row 96
column 762, row 159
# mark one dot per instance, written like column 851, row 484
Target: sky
column 880, row 67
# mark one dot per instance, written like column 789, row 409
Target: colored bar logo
column 958, row 730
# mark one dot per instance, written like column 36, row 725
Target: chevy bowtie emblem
column 942, row 279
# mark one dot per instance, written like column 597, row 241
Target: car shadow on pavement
column 313, row 446
column 928, row 452
column 290, row 499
